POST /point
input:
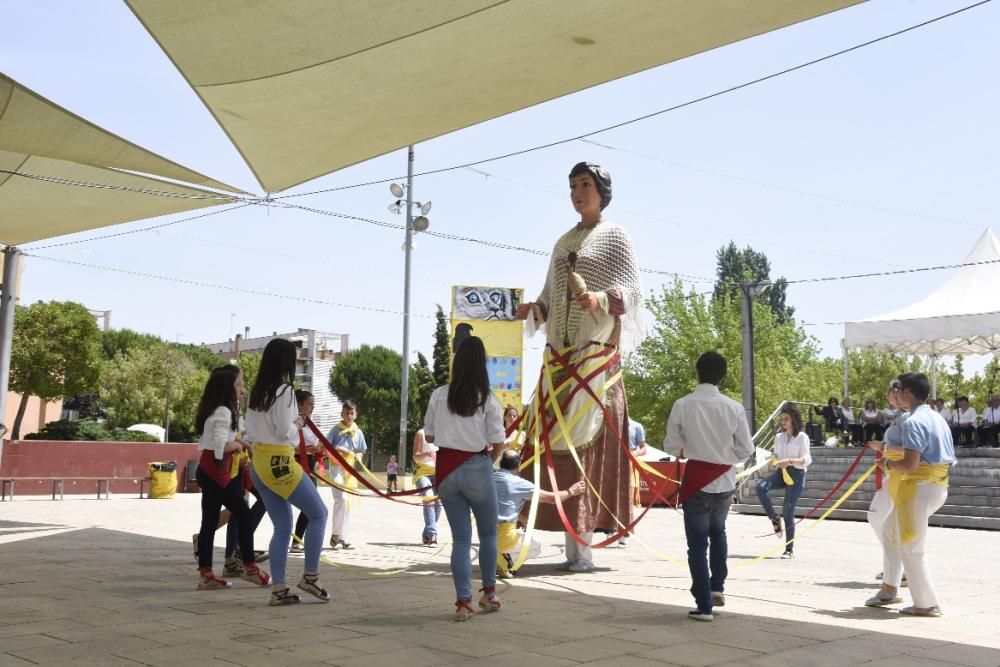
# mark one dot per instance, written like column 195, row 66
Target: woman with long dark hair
column 463, row 420
column 217, row 421
column 792, row 458
column 273, row 424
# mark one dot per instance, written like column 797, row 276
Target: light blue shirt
column 512, row 493
column 636, row 434
column 347, row 441
column 927, row 432
column 894, row 434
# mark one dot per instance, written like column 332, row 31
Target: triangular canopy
column 306, row 87
column 48, row 156
column 960, row 317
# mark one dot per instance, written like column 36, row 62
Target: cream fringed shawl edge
column 605, row 259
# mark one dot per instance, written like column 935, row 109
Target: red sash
column 448, row 460
column 217, row 470
column 698, row 475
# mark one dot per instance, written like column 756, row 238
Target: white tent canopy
column 960, row 317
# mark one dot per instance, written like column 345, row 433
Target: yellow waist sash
column 506, row 541
column 277, row 468
column 350, row 481
column 903, row 491
column 423, row 470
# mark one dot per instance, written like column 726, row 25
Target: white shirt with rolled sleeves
column 965, row 417
column 469, row 434
column 276, row 425
column 793, row 448
column 710, row 427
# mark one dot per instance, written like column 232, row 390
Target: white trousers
column 341, row 512
column 577, row 552
column 910, row 557
column 878, row 511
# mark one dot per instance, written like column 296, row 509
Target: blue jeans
column 432, row 512
column 705, row 528
column 471, row 487
column 792, row 494
column 306, row 498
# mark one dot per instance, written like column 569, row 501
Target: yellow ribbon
column 423, row 470
column 903, row 490
column 785, row 475
column 238, row 459
column 277, row 468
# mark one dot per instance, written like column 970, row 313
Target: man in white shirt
column 991, row 422
column 963, row 423
column 942, row 410
column 711, row 430
column 854, row 429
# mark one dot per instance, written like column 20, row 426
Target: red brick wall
column 68, row 459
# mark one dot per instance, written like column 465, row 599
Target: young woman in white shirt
column 792, row 458
column 871, row 417
column 273, row 424
column 217, row 421
column 463, row 420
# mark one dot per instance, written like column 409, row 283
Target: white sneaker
column 580, row 567
column 700, row 616
column 622, row 542
column 718, row 599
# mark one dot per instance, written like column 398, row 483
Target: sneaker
column 565, row 566
column 310, row 584
column 580, row 567
column 701, row 616
column 787, row 555
column 718, row 599
column 463, row 610
column 881, row 599
column 489, row 601
column 209, row 582
column 255, row 575
column 232, row 569
column 623, row 542
column 929, row 612
column 283, row 597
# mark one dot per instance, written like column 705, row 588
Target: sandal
column 310, row 584
column 776, row 522
column 881, row 599
column 283, row 597
column 255, row 575
column 232, row 569
column 463, row 610
column 929, row 612
column 489, row 601
column 209, row 582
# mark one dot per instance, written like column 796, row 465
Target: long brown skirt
column 607, row 467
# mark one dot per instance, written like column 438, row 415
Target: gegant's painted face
column 585, row 196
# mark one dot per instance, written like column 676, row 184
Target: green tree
column 423, row 382
column 147, row 385
column 117, row 341
column 442, row 349
column 734, row 266
column 55, row 353
column 871, row 371
column 249, row 365
column 687, row 324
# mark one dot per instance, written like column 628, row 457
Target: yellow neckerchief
column 506, row 541
column 277, row 468
column 240, row 458
column 903, row 491
column 343, row 428
column 423, row 470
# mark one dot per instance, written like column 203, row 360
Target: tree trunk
column 15, row 433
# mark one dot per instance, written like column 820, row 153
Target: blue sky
column 883, row 158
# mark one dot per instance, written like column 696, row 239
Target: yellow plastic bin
column 163, row 479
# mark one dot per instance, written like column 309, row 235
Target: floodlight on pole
column 396, row 190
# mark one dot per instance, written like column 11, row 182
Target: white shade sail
column 306, row 87
column 61, row 174
column 960, row 317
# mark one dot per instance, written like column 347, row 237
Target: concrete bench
column 103, row 483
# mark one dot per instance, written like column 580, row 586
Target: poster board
column 488, row 312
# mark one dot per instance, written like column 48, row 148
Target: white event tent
column 960, row 317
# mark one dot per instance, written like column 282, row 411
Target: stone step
column 851, row 452
column 853, row 503
column 945, row 520
column 956, row 496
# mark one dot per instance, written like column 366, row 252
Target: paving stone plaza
column 112, row 582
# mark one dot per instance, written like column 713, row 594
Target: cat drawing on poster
column 485, row 303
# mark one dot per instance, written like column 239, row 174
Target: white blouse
column 796, row 448
column 468, row 434
column 277, row 425
column 217, row 432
